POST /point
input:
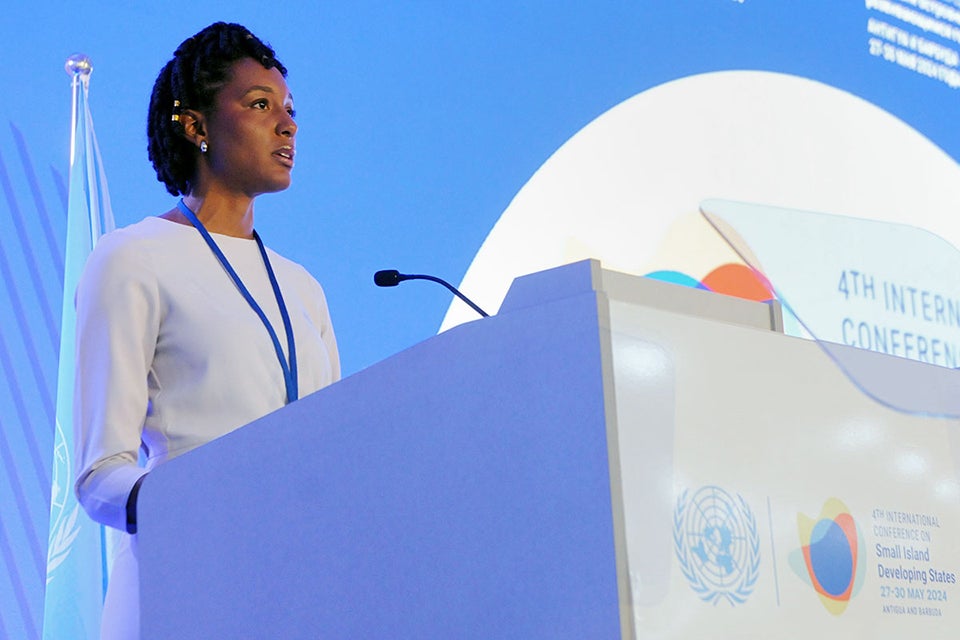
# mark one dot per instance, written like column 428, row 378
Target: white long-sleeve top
column 170, row 355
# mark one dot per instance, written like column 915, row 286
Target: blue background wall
column 419, row 121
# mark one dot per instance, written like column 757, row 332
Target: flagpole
column 76, row 566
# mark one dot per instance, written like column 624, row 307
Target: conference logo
column 830, row 558
column 730, row 279
column 717, row 545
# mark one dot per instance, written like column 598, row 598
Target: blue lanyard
column 289, row 367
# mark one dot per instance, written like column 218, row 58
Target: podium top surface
column 588, row 275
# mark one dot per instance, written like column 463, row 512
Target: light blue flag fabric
column 77, row 556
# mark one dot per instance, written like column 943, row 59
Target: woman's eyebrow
column 265, row 89
column 259, row 87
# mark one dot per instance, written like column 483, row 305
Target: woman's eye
column 261, row 104
column 292, row 112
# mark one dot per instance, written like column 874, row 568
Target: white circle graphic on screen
column 626, row 188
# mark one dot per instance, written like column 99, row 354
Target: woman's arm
column 118, row 321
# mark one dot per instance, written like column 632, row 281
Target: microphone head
column 387, row 278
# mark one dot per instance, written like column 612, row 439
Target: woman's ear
column 193, row 126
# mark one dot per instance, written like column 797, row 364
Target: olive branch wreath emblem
column 737, row 592
column 64, row 526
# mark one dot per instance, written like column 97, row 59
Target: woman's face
column 251, row 132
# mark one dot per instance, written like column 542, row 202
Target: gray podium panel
column 457, row 489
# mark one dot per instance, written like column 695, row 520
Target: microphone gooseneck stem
column 451, row 288
column 392, row 277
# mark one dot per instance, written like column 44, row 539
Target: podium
column 607, row 457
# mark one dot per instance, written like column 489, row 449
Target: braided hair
column 200, row 67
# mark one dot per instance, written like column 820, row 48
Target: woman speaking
column 187, row 325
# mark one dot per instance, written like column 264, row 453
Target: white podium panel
column 764, row 495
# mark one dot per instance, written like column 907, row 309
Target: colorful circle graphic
column 730, row 279
column 829, row 556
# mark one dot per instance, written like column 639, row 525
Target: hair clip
column 176, row 107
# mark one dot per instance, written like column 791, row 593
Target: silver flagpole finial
column 78, row 65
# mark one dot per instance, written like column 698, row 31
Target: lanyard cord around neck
column 289, row 366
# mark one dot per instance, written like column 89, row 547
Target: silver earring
column 203, row 146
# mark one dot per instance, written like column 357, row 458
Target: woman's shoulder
column 294, row 273
column 149, row 231
column 134, row 249
column 140, row 241
column 284, row 264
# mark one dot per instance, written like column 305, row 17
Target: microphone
column 388, row 278
column 392, row 277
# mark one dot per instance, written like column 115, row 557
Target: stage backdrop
column 474, row 143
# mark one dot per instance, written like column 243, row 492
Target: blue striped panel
column 32, row 228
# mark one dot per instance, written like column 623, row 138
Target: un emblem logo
column 717, row 544
column 63, row 523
